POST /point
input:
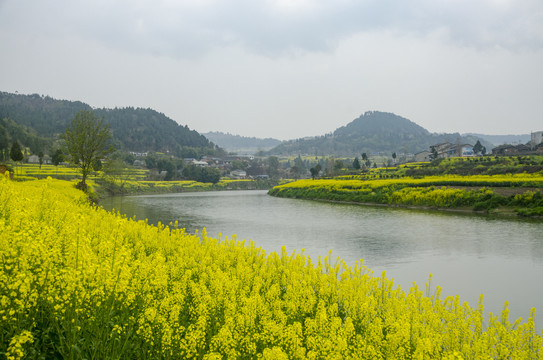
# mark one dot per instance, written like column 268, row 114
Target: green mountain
column 372, row 132
column 148, row 130
column 133, row 129
column 241, row 144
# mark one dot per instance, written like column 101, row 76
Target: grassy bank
column 133, row 181
column 160, row 187
column 79, row 282
column 518, row 192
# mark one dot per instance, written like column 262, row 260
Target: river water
column 467, row 254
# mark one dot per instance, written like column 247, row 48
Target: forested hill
column 372, row 132
column 133, row 129
column 148, row 130
column 241, row 144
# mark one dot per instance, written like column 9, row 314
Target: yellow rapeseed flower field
column 78, row 282
column 477, row 192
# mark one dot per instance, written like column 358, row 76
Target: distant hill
column 372, row 132
column 133, row 129
column 503, row 139
column 241, row 144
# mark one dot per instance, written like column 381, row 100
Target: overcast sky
column 285, row 68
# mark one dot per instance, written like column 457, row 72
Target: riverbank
column 100, row 188
column 142, row 187
column 135, row 181
column 507, row 195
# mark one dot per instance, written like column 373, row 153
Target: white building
column 238, row 174
column 33, row 159
column 537, row 138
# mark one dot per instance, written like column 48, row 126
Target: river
column 467, row 254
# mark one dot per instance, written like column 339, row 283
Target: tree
column 366, row 160
column 4, row 143
column 295, row 170
column 86, row 140
column 240, row 164
column 151, row 162
column 315, row 170
column 273, row 166
column 129, row 159
column 356, row 164
column 201, row 174
column 394, row 157
column 299, row 163
column 433, row 153
column 171, row 170
column 256, row 167
column 116, row 174
column 40, row 157
column 57, row 157
column 478, row 148
column 97, row 165
column 16, row 153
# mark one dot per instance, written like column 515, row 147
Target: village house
column 423, row 156
column 139, row 163
column 139, row 154
column 535, row 146
column 466, row 150
column 537, row 139
column 199, row 163
column 35, row 159
column 238, row 174
column 446, row 150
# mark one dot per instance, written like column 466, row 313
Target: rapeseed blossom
column 475, row 191
column 79, row 282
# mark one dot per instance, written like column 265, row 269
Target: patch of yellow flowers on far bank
column 353, row 183
column 79, row 282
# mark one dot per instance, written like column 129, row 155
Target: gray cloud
column 285, row 67
column 182, row 29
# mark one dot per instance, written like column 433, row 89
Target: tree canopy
column 16, row 153
column 86, row 141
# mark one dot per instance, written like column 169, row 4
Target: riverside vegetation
column 133, row 181
column 482, row 184
column 79, row 282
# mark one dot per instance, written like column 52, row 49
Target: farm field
column 494, row 187
column 133, row 181
column 79, row 282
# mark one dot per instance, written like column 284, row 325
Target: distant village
column 446, row 150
